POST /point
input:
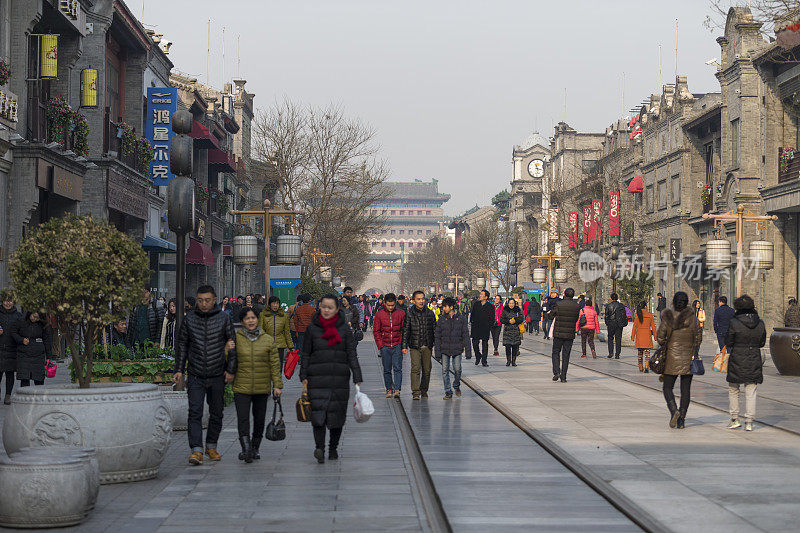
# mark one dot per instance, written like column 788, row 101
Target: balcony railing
column 788, row 164
column 112, row 142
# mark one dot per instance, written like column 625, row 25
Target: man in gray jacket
column 452, row 339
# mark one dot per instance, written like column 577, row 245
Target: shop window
column 662, row 194
column 676, row 189
column 735, row 145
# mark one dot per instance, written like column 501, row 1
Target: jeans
column 9, row 374
column 749, row 397
column 392, row 358
column 420, row 361
column 480, row 355
column 447, row 360
column 535, row 324
column 614, row 337
column 546, row 327
column 686, row 390
column 496, row 336
column 244, row 403
column 301, row 335
column 721, row 341
column 319, row 437
column 293, row 333
column 212, row 390
column 27, row 382
column 560, row 356
column 587, row 336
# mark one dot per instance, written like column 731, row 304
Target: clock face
column 536, row 168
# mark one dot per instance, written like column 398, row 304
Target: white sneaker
column 734, row 424
column 748, row 426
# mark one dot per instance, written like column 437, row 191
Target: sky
column 450, row 86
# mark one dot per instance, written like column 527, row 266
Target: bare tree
column 767, row 12
column 491, row 245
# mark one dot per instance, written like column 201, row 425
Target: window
column 393, row 244
column 427, row 212
column 588, row 166
column 391, row 212
column 383, row 244
column 419, row 232
column 427, row 232
column 419, row 212
column 676, row 189
column 662, row 194
column 383, row 232
column 392, row 232
column 401, row 212
column 708, row 155
column 637, row 201
column 648, row 198
column 735, row 143
column 402, row 232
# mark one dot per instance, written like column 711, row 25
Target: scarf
column 252, row 335
column 330, row 333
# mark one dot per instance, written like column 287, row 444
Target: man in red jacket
column 388, row 331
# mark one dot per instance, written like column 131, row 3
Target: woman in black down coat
column 327, row 357
column 33, row 349
column 511, row 318
column 745, row 338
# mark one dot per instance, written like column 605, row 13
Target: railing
column 112, row 142
column 38, row 128
column 788, row 164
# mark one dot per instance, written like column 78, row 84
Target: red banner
column 573, row 229
column 613, row 213
column 597, row 206
column 587, row 222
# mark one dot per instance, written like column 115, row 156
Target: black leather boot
column 681, row 419
column 247, row 449
column 508, row 360
column 673, row 413
column 513, row 360
column 256, row 442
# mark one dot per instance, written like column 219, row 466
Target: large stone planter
column 784, row 347
column 42, row 492
column 129, row 425
column 178, row 404
column 87, row 455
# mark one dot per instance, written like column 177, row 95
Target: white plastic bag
column 362, row 407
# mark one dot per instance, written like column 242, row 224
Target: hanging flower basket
column 59, row 118
column 128, row 139
column 786, row 157
column 5, row 71
column 144, row 155
column 202, row 195
column 705, row 197
column 81, row 130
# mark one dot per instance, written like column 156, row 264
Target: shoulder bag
column 658, row 361
column 696, row 367
column 276, row 429
column 304, row 407
column 582, row 319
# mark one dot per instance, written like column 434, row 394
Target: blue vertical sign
column 162, row 102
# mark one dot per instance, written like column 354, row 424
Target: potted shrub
column 85, row 273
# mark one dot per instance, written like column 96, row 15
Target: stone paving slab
column 703, row 478
column 778, row 397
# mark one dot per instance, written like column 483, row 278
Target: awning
column 636, row 184
column 221, row 160
column 157, row 244
column 199, row 254
column 203, row 138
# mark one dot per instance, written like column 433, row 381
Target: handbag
column 50, row 368
column 358, row 335
column 582, row 319
column 720, row 361
column 276, row 429
column 696, row 367
column 303, row 407
column 291, row 363
column 658, row 361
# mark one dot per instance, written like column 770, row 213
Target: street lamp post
column 739, row 217
column 455, row 277
column 549, row 257
column 266, row 215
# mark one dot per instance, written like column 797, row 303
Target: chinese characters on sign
column 161, row 105
column 587, row 222
column 573, row 229
column 553, row 224
column 596, row 208
column 613, row 213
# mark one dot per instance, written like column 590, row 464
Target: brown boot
column 213, row 454
column 196, row 458
column 641, row 366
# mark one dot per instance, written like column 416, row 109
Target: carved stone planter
column 129, row 425
column 87, row 456
column 784, row 347
column 42, row 492
column 178, row 404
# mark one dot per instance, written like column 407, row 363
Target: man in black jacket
column 452, row 339
column 481, row 318
column 565, row 315
column 419, row 330
column 616, row 319
column 205, row 336
column 145, row 321
column 662, row 303
column 722, row 320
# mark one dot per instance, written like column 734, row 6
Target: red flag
column 587, row 222
column 597, row 206
column 613, row 213
column 573, row 229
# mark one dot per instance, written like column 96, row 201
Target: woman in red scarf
column 327, row 358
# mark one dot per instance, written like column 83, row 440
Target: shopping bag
column 276, row 429
column 292, row 357
column 552, row 327
column 50, row 368
column 696, row 367
column 721, row 361
column 304, row 407
column 362, row 406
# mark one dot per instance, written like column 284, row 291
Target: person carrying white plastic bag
column 362, row 406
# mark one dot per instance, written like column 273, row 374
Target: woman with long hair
column 679, row 333
column 642, row 334
column 328, row 358
column 168, row 325
column 511, row 318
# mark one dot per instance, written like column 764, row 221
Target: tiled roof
column 416, row 190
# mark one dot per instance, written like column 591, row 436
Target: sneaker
column 425, row 394
column 748, row 426
column 448, row 396
column 477, row 361
column 484, row 364
column 458, row 391
column 213, row 454
column 734, row 424
column 333, row 454
column 555, row 378
column 397, row 393
column 319, row 455
column 196, row 458
column 583, row 356
column 415, row 396
column 389, row 393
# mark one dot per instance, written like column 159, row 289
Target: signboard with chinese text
column 553, row 224
column 162, row 102
column 587, row 222
column 613, row 213
column 573, row 229
column 597, row 206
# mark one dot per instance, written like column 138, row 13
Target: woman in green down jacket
column 275, row 322
column 258, row 373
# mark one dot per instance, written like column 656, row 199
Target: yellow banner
column 48, row 67
column 89, row 87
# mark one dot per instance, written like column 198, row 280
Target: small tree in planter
column 83, row 272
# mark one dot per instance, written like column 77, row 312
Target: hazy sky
column 450, row 86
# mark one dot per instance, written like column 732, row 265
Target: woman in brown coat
column 678, row 333
column 642, row 334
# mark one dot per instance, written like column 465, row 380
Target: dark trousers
column 282, row 356
column 9, row 374
column 293, row 333
column 561, row 350
column 27, row 382
column 319, row 437
column 614, row 337
column 496, row 336
column 301, row 335
column 480, row 355
column 721, row 341
column 686, row 390
column 535, row 324
column 244, row 403
column 512, row 351
column 212, row 391
column 546, row 327
column 587, row 335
